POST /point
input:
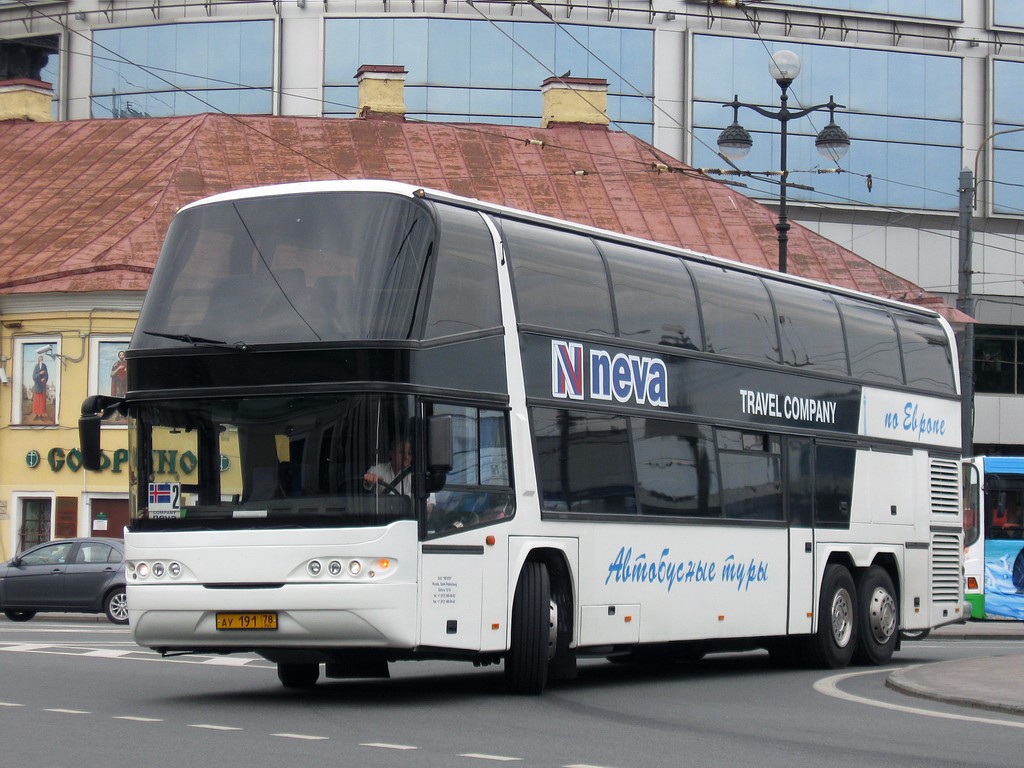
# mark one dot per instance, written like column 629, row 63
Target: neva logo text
column 602, row 375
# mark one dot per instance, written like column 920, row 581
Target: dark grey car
column 68, row 575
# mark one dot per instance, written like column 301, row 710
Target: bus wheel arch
column 877, row 616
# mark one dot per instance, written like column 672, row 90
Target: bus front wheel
column 302, row 675
column 832, row 645
column 877, row 617
column 534, row 620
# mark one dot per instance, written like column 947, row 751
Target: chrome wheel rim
column 882, row 616
column 842, row 618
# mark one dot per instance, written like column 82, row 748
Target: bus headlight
column 314, row 567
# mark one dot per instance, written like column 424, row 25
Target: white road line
column 383, row 745
column 584, row 765
column 107, row 653
column 829, row 686
column 210, row 727
column 136, row 719
column 499, row 758
column 68, row 711
column 225, row 661
column 303, row 736
column 10, row 704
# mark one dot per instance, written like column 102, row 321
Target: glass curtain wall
column 166, row 70
column 902, row 112
column 462, row 70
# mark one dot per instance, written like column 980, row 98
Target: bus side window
column 478, row 488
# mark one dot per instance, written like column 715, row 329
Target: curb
column 902, row 681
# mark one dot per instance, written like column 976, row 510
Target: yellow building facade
column 55, row 351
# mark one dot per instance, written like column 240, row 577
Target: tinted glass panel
column 583, row 462
column 799, row 482
column 183, row 69
column 927, row 356
column 654, row 298
column 464, row 292
column 934, row 9
column 738, row 316
column 833, row 485
column 810, row 329
column 676, row 469
column 751, row 466
column 874, row 347
column 560, row 280
column 902, row 110
column 479, row 70
column 1008, row 13
column 998, row 360
column 477, row 488
column 290, row 268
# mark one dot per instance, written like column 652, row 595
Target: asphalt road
column 83, row 695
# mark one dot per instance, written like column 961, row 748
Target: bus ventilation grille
column 945, row 479
column 946, row 576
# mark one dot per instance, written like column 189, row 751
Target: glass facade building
column 927, row 88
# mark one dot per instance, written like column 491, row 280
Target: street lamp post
column 832, row 142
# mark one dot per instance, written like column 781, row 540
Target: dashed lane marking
column 497, row 758
column 383, row 745
column 301, row 736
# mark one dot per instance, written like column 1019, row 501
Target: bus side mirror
column 439, row 451
column 89, row 440
column 94, row 409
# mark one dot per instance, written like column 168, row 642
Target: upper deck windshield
column 301, row 268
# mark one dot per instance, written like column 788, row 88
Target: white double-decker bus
column 618, row 449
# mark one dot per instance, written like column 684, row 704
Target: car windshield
column 270, row 461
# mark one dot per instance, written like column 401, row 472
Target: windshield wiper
column 199, row 341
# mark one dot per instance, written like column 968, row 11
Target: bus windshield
column 289, row 461
column 296, row 269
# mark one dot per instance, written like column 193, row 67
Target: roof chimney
column 22, row 98
column 381, row 90
column 579, row 100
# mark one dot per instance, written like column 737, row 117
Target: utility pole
column 965, row 303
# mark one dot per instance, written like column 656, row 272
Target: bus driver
column 395, row 475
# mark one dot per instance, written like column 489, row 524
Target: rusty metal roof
column 84, row 205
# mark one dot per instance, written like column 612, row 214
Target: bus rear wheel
column 877, row 617
column 533, row 632
column 832, row 645
column 302, row 675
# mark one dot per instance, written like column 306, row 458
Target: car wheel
column 19, row 615
column 116, row 606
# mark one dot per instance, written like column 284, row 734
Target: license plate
column 234, row 621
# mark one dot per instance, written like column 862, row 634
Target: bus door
column 800, row 514
column 463, row 570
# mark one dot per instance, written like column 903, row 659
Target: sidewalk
column 988, row 682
